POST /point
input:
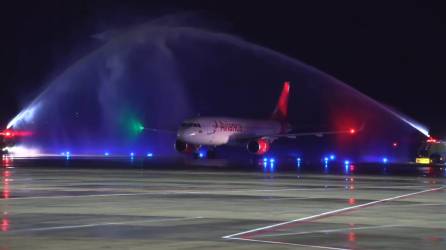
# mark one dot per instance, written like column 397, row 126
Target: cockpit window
column 190, row 125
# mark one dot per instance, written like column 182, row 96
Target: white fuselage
column 215, row 131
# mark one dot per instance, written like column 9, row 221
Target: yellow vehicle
column 432, row 152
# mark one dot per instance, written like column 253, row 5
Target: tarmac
column 89, row 205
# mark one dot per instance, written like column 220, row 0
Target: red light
column 395, row 144
column 263, row 146
column 352, row 131
column 13, row 133
column 432, row 140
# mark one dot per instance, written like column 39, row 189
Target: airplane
column 257, row 134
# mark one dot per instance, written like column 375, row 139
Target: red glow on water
column 5, row 224
column 352, row 167
column 352, row 201
column 6, row 161
column 6, row 190
column 351, row 236
column 6, row 173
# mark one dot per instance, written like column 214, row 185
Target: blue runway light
column 106, row 153
column 272, row 160
column 332, row 157
column 347, row 162
column 385, row 160
column 132, row 154
column 272, row 166
column 326, row 159
column 149, row 155
column 265, row 159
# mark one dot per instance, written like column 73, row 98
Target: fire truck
column 432, row 151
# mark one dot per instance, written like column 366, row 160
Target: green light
column 135, row 126
column 131, row 124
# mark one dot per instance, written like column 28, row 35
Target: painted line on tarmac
column 331, row 230
column 289, row 244
column 39, row 229
column 249, row 233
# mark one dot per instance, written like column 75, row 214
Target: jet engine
column 183, row 147
column 259, row 147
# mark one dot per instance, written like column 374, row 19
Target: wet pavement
column 117, row 205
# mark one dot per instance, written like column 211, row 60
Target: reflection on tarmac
column 122, row 203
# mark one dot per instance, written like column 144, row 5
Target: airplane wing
column 274, row 137
column 314, row 133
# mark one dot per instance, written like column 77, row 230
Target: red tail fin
column 281, row 111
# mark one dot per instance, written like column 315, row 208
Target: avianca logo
column 229, row 126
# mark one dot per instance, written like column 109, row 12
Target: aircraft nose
column 186, row 133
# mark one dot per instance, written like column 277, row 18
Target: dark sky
column 393, row 51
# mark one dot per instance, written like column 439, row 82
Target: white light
column 22, row 151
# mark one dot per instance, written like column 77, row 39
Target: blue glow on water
column 272, row 166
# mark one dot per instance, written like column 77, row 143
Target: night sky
column 392, row 51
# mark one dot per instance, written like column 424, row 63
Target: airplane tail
column 281, row 111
